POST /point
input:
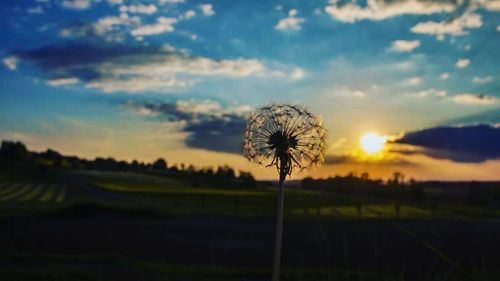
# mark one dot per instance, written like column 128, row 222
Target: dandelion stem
column 279, row 223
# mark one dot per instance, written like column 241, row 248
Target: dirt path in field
column 247, row 242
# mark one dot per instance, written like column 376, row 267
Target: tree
column 14, row 150
column 160, row 165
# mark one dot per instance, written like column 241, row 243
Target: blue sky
column 170, row 78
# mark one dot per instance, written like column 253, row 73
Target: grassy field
column 173, row 196
column 110, row 201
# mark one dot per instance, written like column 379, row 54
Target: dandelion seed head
column 286, row 136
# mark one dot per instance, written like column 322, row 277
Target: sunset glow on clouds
column 177, row 79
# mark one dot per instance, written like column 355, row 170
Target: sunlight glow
column 372, row 143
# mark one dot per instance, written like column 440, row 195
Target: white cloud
column 10, row 62
column 139, row 9
column 444, row 76
column 358, row 94
column 291, row 22
column 163, row 2
column 35, row 10
column 76, row 4
column 382, row 9
column 404, row 46
column 429, row 93
column 162, row 25
column 455, row 27
column 207, row 9
column 414, row 80
column 171, row 65
column 161, row 74
column 107, row 23
column 137, row 84
column 63, row 81
column 498, row 28
column 491, row 5
column 478, row 99
column 482, row 80
column 345, row 92
column 462, row 63
column 297, row 73
column 187, row 15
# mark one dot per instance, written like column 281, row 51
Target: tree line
column 17, row 151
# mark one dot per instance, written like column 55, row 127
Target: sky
column 177, row 79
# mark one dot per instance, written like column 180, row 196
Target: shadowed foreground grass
column 112, row 267
column 131, row 205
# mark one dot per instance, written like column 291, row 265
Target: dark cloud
column 84, row 61
column 225, row 135
column 471, row 144
column 115, row 67
column 210, row 125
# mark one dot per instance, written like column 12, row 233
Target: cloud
column 465, row 98
column 163, row 2
column 383, row 9
column 35, row 10
column 109, row 28
column 444, row 76
column 345, row 92
column 404, row 46
column 491, row 5
column 414, row 80
column 10, row 62
column 292, row 22
column 429, row 93
column 187, row 15
column 210, row 125
column 162, row 25
column 462, row 63
column 138, row 84
column 482, row 80
column 207, row 9
column 76, row 4
column 498, row 28
column 139, row 9
column 460, row 144
column 115, row 2
column 297, row 73
column 134, row 69
column 454, row 27
column 476, row 99
column 63, row 81
column 109, row 23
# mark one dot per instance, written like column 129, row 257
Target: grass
column 177, row 196
column 102, row 267
column 184, row 197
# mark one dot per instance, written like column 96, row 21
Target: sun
column 372, row 143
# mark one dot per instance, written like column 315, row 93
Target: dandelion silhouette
column 288, row 137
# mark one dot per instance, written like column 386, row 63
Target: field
column 91, row 225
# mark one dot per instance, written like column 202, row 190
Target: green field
column 31, row 193
column 173, row 196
